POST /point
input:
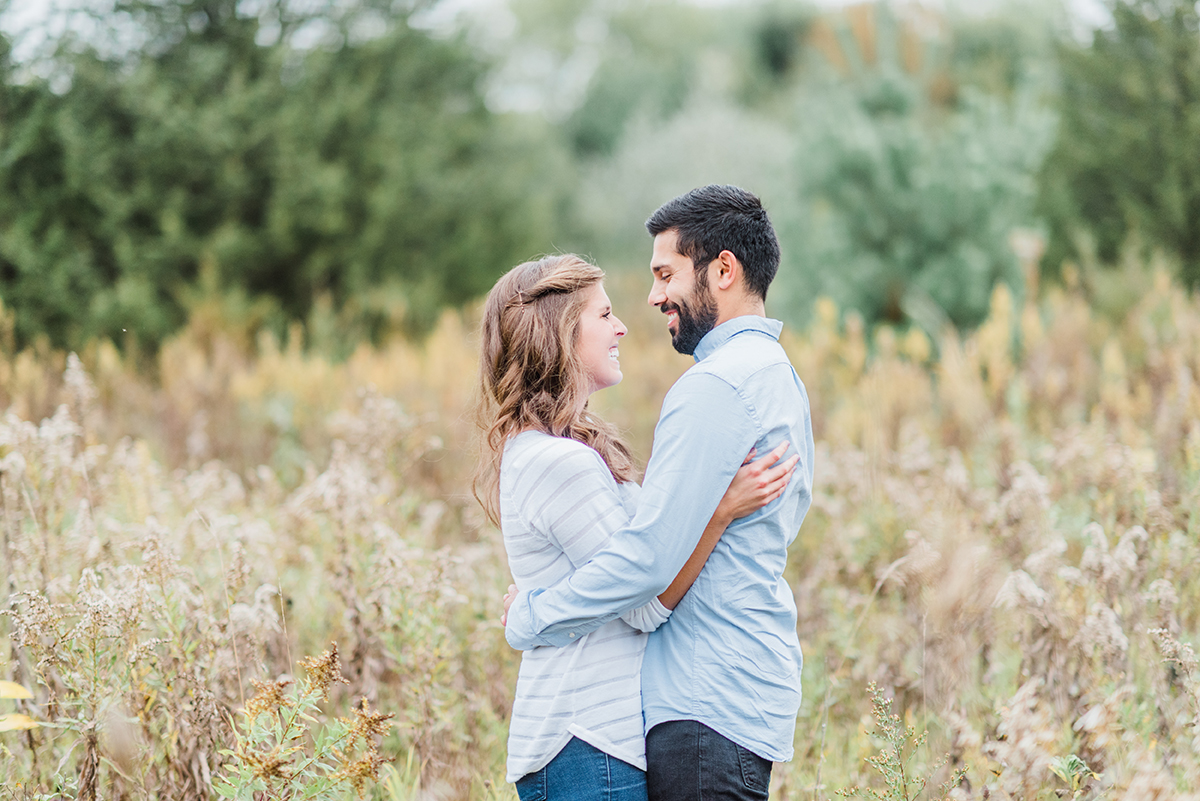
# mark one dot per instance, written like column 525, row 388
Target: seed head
column 367, row 724
column 269, row 698
column 323, row 671
column 359, row 771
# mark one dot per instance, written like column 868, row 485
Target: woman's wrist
column 722, row 517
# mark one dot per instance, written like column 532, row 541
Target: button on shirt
column 729, row 656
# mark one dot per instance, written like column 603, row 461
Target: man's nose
column 656, row 296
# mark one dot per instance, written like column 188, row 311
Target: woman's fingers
column 783, row 468
column 764, row 464
column 776, row 454
column 763, row 480
column 781, row 471
column 775, row 480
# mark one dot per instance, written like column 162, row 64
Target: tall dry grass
column 1003, row 539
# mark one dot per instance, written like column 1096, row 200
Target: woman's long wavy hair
column 530, row 374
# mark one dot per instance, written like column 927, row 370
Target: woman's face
column 599, row 330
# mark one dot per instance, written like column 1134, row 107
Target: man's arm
column 704, row 433
column 578, row 509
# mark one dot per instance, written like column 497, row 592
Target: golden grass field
column 1004, row 538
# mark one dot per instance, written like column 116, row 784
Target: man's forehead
column 666, row 250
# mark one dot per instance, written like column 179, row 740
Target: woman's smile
column 599, row 333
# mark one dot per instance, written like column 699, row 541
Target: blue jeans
column 583, row 773
column 688, row 761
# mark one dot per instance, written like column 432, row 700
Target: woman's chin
column 609, row 381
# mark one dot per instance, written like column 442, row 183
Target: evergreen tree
column 1127, row 158
column 338, row 153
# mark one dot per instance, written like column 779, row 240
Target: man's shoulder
column 739, row 359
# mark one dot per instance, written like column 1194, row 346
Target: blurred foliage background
column 241, row 247
column 358, row 166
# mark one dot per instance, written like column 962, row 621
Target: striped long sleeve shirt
column 559, row 505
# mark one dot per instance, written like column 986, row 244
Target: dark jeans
column 688, row 761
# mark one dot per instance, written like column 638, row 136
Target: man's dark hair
column 715, row 218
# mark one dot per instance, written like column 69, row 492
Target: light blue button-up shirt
column 729, row 656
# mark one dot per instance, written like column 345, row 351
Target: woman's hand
column 757, row 483
column 508, row 599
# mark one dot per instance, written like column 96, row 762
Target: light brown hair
column 530, row 376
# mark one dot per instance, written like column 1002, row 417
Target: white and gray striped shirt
column 559, row 505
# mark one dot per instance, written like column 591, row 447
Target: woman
column 559, row 482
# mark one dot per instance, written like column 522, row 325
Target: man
column 721, row 679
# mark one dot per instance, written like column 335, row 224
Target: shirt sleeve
column 705, row 431
column 579, row 511
column 649, row 617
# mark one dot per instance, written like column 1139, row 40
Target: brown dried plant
column 1000, row 520
column 282, row 750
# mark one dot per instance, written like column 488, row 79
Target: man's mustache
column 668, row 306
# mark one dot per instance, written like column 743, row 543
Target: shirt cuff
column 649, row 617
column 518, row 630
column 661, row 613
column 521, row 629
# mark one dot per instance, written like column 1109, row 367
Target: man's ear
column 729, row 270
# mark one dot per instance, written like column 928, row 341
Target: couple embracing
column 659, row 635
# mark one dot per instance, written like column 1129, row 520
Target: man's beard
column 696, row 317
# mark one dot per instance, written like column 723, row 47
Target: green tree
column 894, row 174
column 340, row 152
column 909, row 191
column 1127, row 157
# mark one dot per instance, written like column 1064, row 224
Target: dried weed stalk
column 282, row 749
column 1000, row 520
column 895, row 760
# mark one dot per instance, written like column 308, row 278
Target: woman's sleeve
column 577, row 505
column 649, row 617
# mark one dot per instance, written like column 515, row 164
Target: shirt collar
column 731, row 328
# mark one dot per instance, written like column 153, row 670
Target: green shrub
column 908, row 208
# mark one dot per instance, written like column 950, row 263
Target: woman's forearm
column 673, row 594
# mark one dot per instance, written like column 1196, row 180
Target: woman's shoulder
column 630, row 492
column 532, row 448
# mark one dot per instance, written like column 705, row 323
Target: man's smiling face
column 681, row 292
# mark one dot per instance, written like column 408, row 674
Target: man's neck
column 740, row 308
